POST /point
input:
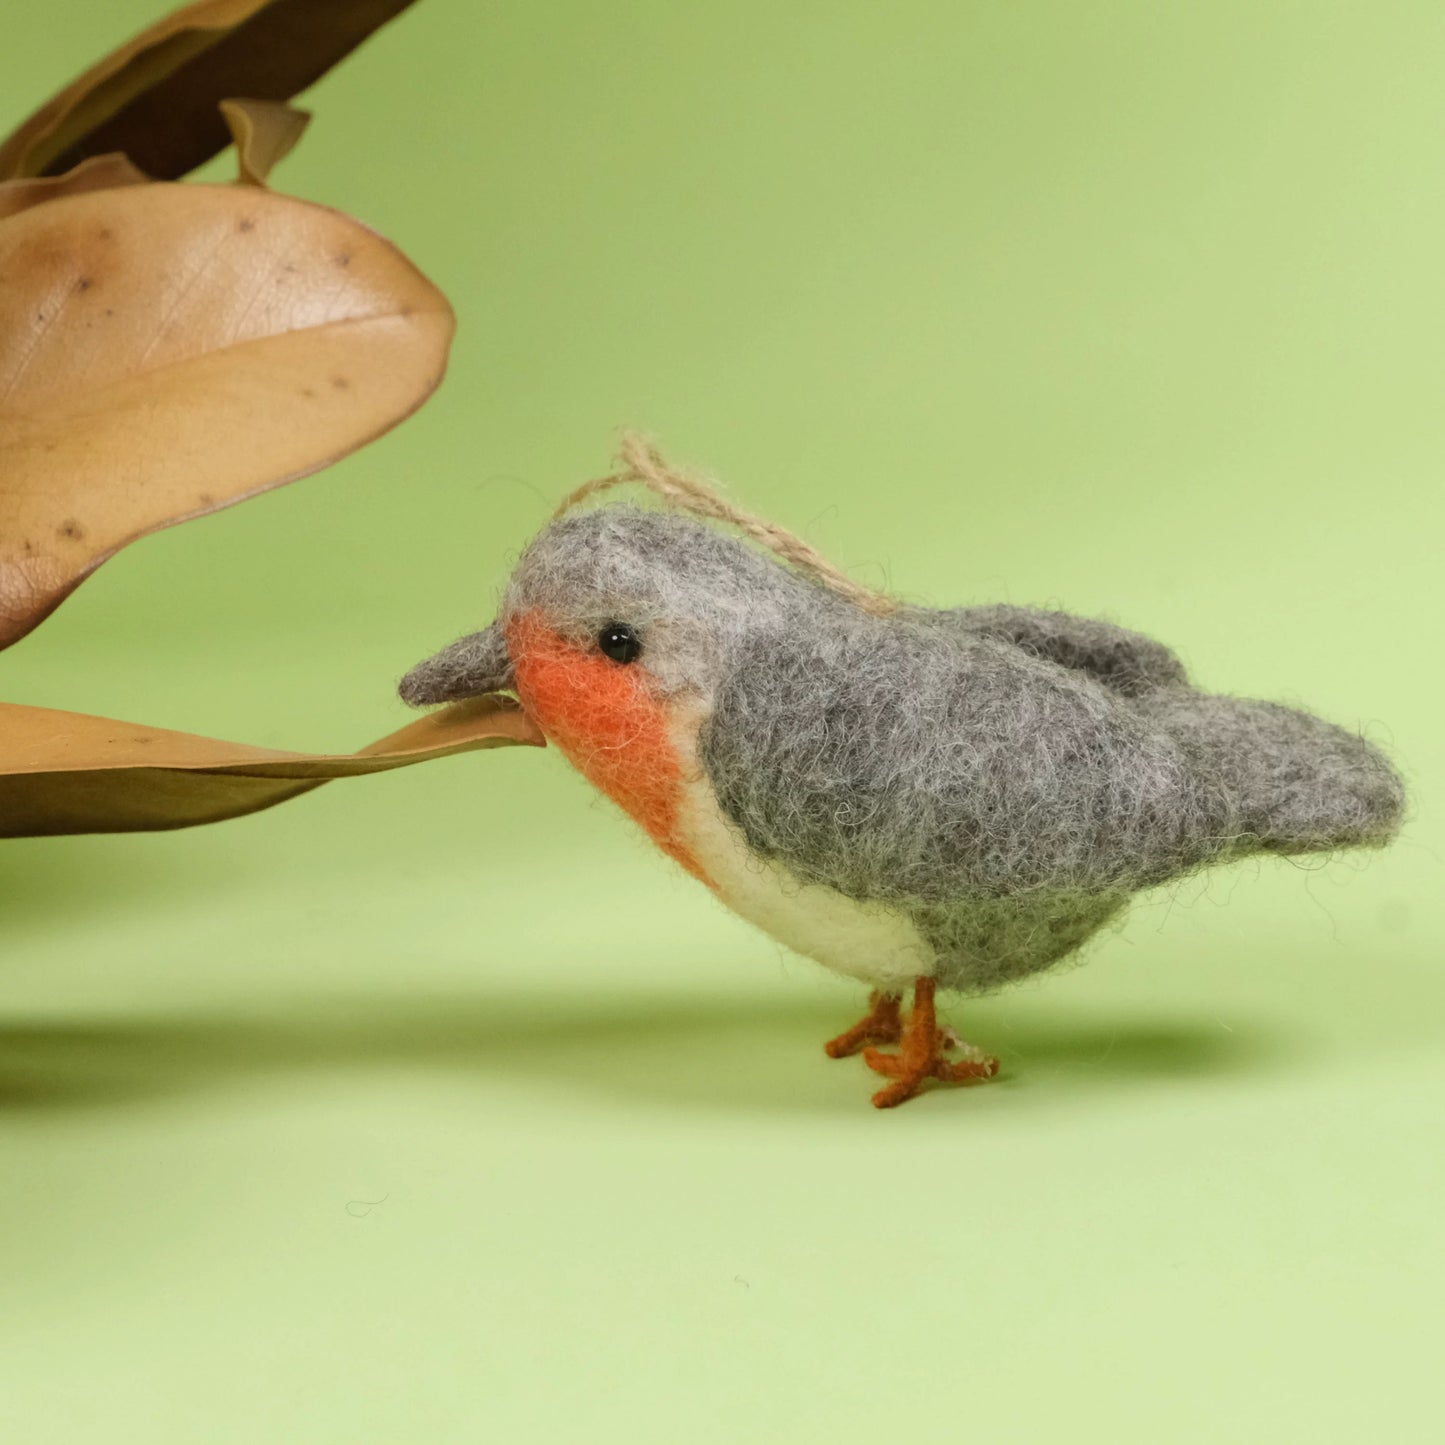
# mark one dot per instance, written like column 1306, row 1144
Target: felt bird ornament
column 919, row 799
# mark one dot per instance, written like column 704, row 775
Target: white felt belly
column 867, row 941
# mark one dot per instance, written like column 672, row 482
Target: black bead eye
column 620, row 642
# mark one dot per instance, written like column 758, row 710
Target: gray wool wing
column 906, row 760
column 910, row 760
column 1126, row 661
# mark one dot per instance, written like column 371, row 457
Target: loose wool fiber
column 1001, row 778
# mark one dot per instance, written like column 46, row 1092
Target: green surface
column 434, row 1107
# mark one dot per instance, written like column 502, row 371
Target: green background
column 435, row 1106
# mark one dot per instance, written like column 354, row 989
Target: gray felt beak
column 469, row 667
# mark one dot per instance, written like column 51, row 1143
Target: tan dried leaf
column 157, row 97
column 264, row 132
column 99, row 173
column 65, row 772
column 167, row 350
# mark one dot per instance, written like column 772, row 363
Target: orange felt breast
column 604, row 718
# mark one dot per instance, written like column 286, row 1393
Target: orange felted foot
column 882, row 1024
column 920, row 1054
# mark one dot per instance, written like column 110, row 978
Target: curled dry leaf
column 157, row 97
column 65, row 772
column 99, row 173
column 264, row 132
column 167, row 350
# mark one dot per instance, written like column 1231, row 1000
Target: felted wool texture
column 469, row 667
column 1004, row 778
column 606, row 720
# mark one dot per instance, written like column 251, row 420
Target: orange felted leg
column 880, row 1025
column 920, row 1054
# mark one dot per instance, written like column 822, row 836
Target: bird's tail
column 1287, row 782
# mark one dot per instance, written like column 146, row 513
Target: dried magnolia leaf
column 65, row 772
column 99, row 173
column 157, row 97
column 168, row 350
column 264, row 132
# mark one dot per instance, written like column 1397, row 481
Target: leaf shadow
column 742, row 1055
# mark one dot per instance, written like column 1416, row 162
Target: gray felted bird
column 913, row 797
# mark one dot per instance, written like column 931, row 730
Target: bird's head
column 610, row 601
column 620, row 624
column 615, row 629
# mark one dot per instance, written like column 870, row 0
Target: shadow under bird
column 915, row 798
